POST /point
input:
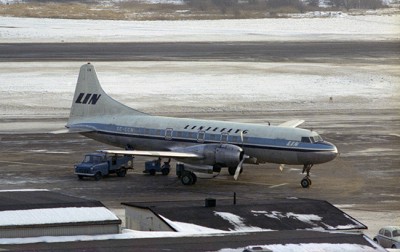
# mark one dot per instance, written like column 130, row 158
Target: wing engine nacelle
column 223, row 155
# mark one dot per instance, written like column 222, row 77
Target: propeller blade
column 239, row 167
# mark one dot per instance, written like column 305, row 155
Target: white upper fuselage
column 263, row 143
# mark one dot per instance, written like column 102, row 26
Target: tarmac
column 363, row 181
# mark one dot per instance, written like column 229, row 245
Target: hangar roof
column 42, row 207
column 254, row 215
column 34, row 199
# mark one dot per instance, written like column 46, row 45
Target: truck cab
column 99, row 164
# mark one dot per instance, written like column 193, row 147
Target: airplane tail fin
column 90, row 100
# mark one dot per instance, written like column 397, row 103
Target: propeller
column 239, row 167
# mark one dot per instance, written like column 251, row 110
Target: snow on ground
column 340, row 27
column 45, row 89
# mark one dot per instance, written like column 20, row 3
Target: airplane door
column 200, row 136
column 224, row 137
column 168, row 133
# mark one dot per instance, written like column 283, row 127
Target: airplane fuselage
column 263, row 143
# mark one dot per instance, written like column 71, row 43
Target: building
column 260, row 215
column 32, row 213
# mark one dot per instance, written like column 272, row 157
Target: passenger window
column 387, row 233
column 194, row 127
column 208, row 128
column 224, row 137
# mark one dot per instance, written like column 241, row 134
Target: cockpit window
column 312, row 139
column 316, row 139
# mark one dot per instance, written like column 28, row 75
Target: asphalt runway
column 363, row 180
column 362, row 51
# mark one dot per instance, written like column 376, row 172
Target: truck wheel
column 165, row 171
column 121, row 172
column 188, row 178
column 97, row 176
column 152, row 172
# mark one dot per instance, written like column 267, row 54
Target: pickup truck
column 99, row 164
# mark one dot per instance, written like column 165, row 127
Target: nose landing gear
column 306, row 181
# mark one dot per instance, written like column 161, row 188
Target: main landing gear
column 188, row 178
column 306, row 181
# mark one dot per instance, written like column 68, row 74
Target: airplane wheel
column 97, row 176
column 305, row 182
column 188, row 178
column 152, row 172
column 121, row 172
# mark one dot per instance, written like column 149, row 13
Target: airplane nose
column 328, row 153
column 333, row 153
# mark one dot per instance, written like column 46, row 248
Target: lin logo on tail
column 87, row 98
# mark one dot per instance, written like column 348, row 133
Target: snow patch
column 307, row 218
column 322, row 247
column 189, row 227
column 238, row 222
column 55, row 215
column 25, row 190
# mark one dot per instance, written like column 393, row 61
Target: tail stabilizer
column 90, row 100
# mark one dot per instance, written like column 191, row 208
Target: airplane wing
column 163, row 154
column 292, row 123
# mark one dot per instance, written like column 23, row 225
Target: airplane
column 200, row 146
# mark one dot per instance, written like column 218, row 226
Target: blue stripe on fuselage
column 187, row 136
